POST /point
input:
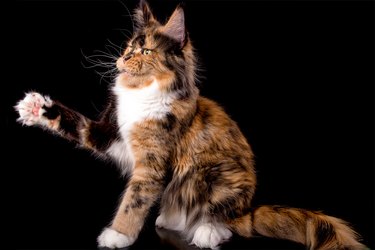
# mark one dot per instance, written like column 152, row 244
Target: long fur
column 180, row 148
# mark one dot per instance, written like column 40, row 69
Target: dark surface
column 299, row 84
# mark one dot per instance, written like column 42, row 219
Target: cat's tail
column 313, row 229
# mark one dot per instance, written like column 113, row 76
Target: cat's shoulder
column 212, row 112
column 208, row 105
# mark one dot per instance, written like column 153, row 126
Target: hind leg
column 172, row 220
column 201, row 232
column 210, row 235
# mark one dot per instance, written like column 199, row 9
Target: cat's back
column 212, row 118
column 213, row 162
column 214, row 136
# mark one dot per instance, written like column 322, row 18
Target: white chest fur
column 133, row 106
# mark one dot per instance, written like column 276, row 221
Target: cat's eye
column 146, row 51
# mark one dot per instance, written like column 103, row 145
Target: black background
column 297, row 76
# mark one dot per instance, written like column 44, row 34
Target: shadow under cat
column 169, row 239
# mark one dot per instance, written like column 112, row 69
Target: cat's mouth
column 128, row 73
column 131, row 74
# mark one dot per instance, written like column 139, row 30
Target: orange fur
column 185, row 150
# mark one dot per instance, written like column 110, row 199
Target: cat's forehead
column 150, row 40
column 138, row 39
column 144, row 39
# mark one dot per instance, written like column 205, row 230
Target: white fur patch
column 133, row 106
column 209, row 235
column 176, row 221
column 113, row 239
column 31, row 109
column 118, row 150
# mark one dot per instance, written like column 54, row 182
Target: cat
column 179, row 149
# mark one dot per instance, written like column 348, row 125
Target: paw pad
column 30, row 108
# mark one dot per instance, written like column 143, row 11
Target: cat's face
column 155, row 51
column 142, row 61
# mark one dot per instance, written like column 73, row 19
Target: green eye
column 146, row 52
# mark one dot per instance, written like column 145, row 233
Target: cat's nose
column 127, row 57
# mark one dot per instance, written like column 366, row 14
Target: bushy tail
column 313, row 229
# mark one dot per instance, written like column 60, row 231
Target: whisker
column 104, row 62
column 114, row 45
column 118, row 49
column 97, row 63
column 105, row 53
column 104, row 75
column 129, row 14
column 101, row 60
column 109, row 47
column 113, row 58
column 127, row 33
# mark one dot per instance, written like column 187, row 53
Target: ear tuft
column 143, row 15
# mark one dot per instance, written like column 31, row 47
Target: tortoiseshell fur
column 180, row 148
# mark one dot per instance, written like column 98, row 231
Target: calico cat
column 178, row 148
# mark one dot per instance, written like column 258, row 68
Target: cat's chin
column 125, row 73
column 129, row 80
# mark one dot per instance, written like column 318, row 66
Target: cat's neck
column 151, row 102
column 136, row 104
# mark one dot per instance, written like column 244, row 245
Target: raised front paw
column 112, row 239
column 31, row 109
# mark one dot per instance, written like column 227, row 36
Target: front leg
column 39, row 110
column 143, row 190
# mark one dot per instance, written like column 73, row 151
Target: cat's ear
column 175, row 27
column 143, row 15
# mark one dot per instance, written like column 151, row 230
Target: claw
column 29, row 108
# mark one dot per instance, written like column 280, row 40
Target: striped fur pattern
column 178, row 148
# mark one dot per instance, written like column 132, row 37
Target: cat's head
column 160, row 52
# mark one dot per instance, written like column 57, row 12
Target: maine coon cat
column 178, row 148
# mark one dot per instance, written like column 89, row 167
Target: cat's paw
column 210, row 236
column 112, row 239
column 30, row 109
column 176, row 222
column 161, row 221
